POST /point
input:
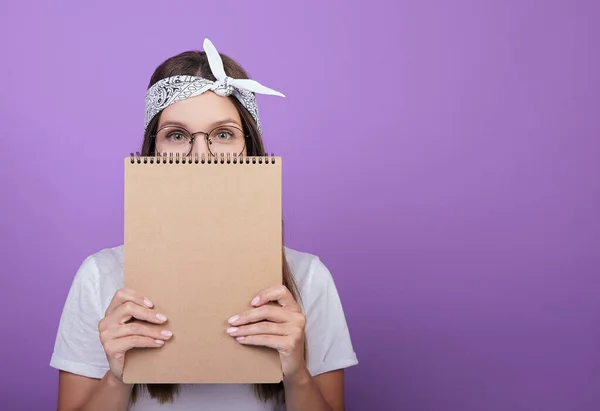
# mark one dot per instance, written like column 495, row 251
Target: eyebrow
column 214, row 124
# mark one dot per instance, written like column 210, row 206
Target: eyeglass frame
column 193, row 138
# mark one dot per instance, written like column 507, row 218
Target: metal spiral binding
column 176, row 158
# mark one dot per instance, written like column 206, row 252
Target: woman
column 209, row 92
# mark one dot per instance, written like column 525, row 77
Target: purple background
column 441, row 157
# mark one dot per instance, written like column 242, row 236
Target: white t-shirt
column 78, row 349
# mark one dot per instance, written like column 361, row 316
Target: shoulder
column 300, row 262
column 102, row 271
column 314, row 279
column 106, row 260
column 308, row 269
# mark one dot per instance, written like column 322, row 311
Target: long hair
column 195, row 63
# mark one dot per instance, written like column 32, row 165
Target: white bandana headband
column 173, row 89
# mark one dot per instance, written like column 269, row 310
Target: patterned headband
column 173, row 89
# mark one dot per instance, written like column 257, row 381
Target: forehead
column 200, row 112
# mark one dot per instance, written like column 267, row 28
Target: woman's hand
column 278, row 326
column 118, row 335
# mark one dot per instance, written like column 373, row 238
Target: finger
column 266, row 312
column 125, row 294
column 278, row 293
column 137, row 328
column 263, row 327
column 122, row 345
column 129, row 310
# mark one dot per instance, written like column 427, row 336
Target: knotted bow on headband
column 173, row 89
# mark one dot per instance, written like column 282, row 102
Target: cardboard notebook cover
column 201, row 240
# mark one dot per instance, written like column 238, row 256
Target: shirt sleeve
column 77, row 348
column 328, row 338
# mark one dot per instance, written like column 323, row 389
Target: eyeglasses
column 220, row 140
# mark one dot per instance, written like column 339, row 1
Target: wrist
column 300, row 377
column 113, row 382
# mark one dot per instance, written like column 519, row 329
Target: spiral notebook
column 202, row 237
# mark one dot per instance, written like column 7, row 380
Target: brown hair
column 195, row 63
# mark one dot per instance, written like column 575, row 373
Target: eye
column 223, row 135
column 176, row 136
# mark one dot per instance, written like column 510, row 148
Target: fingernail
column 161, row 317
column 166, row 333
column 240, row 338
column 159, row 342
column 148, row 303
column 232, row 330
column 234, row 318
column 255, row 301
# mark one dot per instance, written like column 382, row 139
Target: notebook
column 202, row 236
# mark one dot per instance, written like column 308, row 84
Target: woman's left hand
column 278, row 326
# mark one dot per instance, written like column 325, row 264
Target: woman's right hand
column 118, row 335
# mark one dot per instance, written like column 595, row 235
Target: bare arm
column 77, row 393
column 117, row 335
column 281, row 327
column 324, row 392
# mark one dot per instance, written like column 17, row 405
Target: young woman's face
column 205, row 124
